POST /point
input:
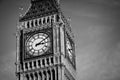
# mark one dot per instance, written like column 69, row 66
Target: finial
column 69, row 19
column 21, row 8
column 35, row 0
column 58, row 1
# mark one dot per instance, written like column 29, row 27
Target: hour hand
column 40, row 43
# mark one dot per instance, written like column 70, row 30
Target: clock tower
column 45, row 44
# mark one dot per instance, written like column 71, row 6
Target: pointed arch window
column 34, row 63
column 32, row 23
column 30, row 63
column 40, row 22
column 31, row 75
column 49, row 73
column 57, row 18
column 44, row 72
column 39, row 64
column 28, row 24
column 40, row 74
column 48, row 20
column 43, row 20
column 43, row 62
column 27, row 76
column 52, row 60
column 36, row 23
column 47, row 61
column 36, row 76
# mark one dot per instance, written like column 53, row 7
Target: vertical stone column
column 54, row 61
column 55, row 73
column 63, row 73
column 41, row 21
column 54, row 35
column 58, row 38
column 29, row 66
column 44, row 73
column 50, row 61
column 59, row 73
column 37, row 64
column 47, row 75
column 34, row 77
column 62, row 39
column 34, row 22
column 58, row 59
column 43, row 76
column 33, row 65
column 46, row 62
column 21, row 77
column 25, row 24
column 45, row 19
column 38, row 76
column 24, row 68
column 54, row 18
column 25, row 77
column 41, row 63
column 29, row 77
column 51, row 74
column 38, row 22
column 50, row 18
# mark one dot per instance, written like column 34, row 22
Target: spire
column 41, row 8
column 42, row 0
column 58, row 1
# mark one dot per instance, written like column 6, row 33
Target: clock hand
column 44, row 42
column 41, row 41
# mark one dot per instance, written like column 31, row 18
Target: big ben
column 45, row 44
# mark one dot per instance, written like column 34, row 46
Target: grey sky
column 96, row 26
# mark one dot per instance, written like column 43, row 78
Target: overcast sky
column 95, row 24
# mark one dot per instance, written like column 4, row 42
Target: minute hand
column 41, row 41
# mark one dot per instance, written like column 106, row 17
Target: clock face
column 69, row 49
column 38, row 44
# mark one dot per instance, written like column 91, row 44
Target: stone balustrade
column 41, row 21
column 41, row 63
column 45, row 74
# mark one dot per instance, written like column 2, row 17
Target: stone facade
column 40, row 61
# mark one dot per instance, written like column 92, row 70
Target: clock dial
column 38, row 44
column 69, row 49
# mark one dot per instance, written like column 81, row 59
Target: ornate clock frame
column 28, row 34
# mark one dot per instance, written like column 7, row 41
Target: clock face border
column 38, row 44
column 28, row 35
column 67, row 37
